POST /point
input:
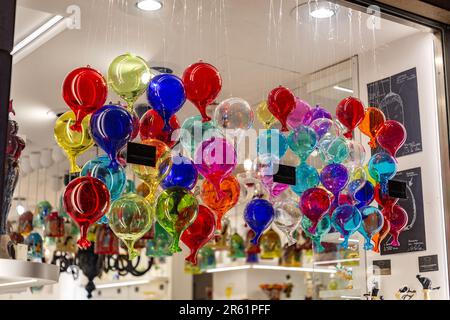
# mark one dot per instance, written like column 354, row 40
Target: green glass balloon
column 333, row 149
column 323, row 227
column 130, row 217
column 129, row 76
column 176, row 210
column 194, row 132
column 159, row 246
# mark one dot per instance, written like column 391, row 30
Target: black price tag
column 141, row 154
column 68, row 177
column 428, row 263
column 285, row 174
column 397, row 189
column 382, row 267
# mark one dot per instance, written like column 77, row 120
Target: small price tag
column 397, row 189
column 141, row 154
column 285, row 174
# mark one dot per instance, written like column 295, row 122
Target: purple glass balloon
column 316, row 113
column 274, row 188
column 334, row 177
column 295, row 118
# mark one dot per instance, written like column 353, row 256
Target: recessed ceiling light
column 149, row 5
column 322, row 10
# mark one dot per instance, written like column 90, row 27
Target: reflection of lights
column 336, row 261
column 146, row 77
column 16, row 283
column 339, row 88
column 248, row 164
column 20, row 209
column 268, row 267
column 149, row 5
column 322, row 10
column 121, row 284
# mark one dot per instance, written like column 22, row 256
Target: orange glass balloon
column 373, row 120
column 231, row 191
column 381, row 235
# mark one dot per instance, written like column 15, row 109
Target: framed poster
column 413, row 236
column 398, row 97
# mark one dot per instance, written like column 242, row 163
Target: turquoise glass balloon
column 372, row 222
column 272, row 142
column 382, row 167
column 302, row 141
column 333, row 149
column 194, row 132
column 114, row 179
column 323, row 227
column 306, row 177
column 346, row 219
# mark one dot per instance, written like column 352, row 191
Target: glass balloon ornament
column 182, row 174
column 86, row 200
column 306, row 177
column 176, row 210
column 264, row 116
column 398, row 219
column 272, row 142
column 258, row 215
column 202, row 83
column 287, row 219
column 73, row 143
column 382, row 167
column 357, row 154
column 323, row 126
column 391, row 136
column 281, row 102
column 295, row 118
column 84, row 91
column 215, row 159
column 112, row 128
column 152, row 127
column 364, row 195
column 266, row 166
column 350, row 112
column 230, row 189
column 333, row 149
column 159, row 246
column 314, row 204
column 166, row 95
column 152, row 176
column 130, row 217
column 302, row 141
column 323, row 227
column 384, row 200
column 114, row 179
column 270, row 245
column 334, row 178
column 199, row 233
column 234, row 116
column 237, row 246
column 194, row 132
column 372, row 122
column 380, row 236
column 129, row 76
column 346, row 219
column 315, row 113
column 372, row 222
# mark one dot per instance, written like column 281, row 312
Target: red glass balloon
column 202, row 83
column 199, row 233
column 281, row 102
column 152, row 126
column 350, row 112
column 384, row 200
column 398, row 220
column 86, row 200
column 84, row 91
column 314, row 204
column 391, row 136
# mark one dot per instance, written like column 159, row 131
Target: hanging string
column 28, row 191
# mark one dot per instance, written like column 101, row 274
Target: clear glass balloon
column 333, row 149
column 323, row 126
column 234, row 116
column 357, row 154
column 287, row 219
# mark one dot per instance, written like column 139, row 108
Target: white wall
column 414, row 51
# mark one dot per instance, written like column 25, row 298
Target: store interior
column 323, row 52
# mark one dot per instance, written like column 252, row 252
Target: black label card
column 285, row 174
column 69, row 177
column 382, row 267
column 397, row 189
column 141, row 154
column 428, row 263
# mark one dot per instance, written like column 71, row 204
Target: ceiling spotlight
column 322, row 10
column 20, row 209
column 149, row 5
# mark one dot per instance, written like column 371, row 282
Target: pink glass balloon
column 215, row 159
column 295, row 118
column 314, row 204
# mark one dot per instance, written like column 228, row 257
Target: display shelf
column 353, row 294
column 128, row 283
column 268, row 268
column 336, row 237
column 18, row 275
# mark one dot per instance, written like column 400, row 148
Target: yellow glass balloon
column 72, row 142
column 129, row 76
column 264, row 115
column 152, row 176
column 130, row 217
column 368, row 176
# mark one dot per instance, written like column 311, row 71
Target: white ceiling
column 256, row 44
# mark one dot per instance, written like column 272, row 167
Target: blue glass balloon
column 258, row 215
column 346, row 219
column 167, row 96
column 115, row 179
column 182, row 174
column 354, row 185
column 365, row 194
column 306, row 177
column 382, row 167
column 372, row 223
column 272, row 142
column 111, row 129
